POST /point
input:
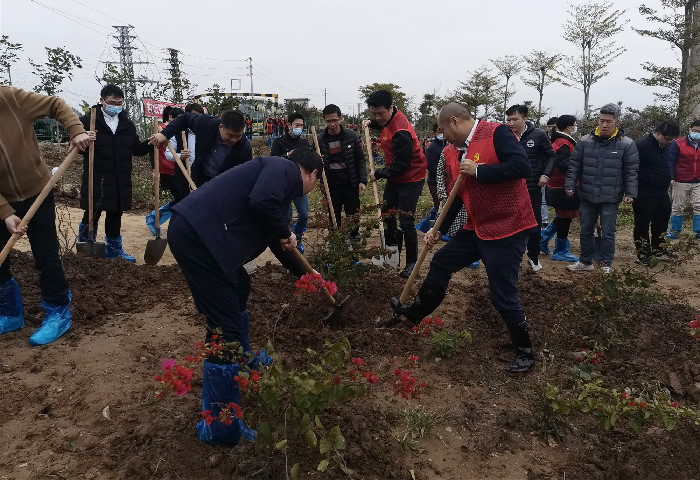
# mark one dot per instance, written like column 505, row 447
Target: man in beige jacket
column 22, row 177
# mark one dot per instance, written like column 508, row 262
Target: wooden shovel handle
column 189, row 171
column 39, row 200
column 185, row 172
column 424, row 251
column 301, row 259
column 368, row 144
column 325, row 181
column 156, row 177
column 91, row 170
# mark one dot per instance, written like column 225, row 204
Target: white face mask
column 575, row 129
column 439, row 136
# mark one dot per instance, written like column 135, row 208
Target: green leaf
column 281, row 444
column 337, row 438
column 311, row 440
column 317, row 421
column 306, row 421
column 294, row 472
column 264, row 432
column 323, row 465
column 325, row 446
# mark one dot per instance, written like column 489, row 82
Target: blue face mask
column 112, row 110
column 694, row 136
column 297, row 132
column 439, row 136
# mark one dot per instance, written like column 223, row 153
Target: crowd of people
column 237, row 206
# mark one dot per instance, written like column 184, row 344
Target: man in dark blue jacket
column 432, row 156
column 220, row 145
column 212, row 233
column 653, row 205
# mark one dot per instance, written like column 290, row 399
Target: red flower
column 625, row 395
column 674, row 404
column 336, row 380
column 358, row 361
column 413, row 358
column 642, row 405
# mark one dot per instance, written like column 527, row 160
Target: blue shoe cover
column 56, row 323
column 474, row 265
column 113, row 249
column 165, row 213
column 219, row 388
column 11, row 313
column 300, row 247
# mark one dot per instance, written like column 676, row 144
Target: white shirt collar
column 471, row 134
column 111, row 121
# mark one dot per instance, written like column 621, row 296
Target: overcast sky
column 301, row 48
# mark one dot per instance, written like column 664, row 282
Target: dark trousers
column 533, row 242
column 41, row 233
column 113, row 222
column 344, row 196
column 502, row 259
column 220, row 297
column 404, row 197
column 176, row 184
column 563, row 227
column 650, row 210
column 432, row 188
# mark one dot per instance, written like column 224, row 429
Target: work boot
column 545, row 237
column 166, row 212
column 524, row 357
column 56, row 322
column 406, row 272
column 83, row 233
column 425, row 302
column 11, row 313
column 561, row 251
column 675, row 226
column 113, row 249
column 696, row 225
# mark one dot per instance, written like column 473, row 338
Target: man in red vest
column 499, row 216
column 405, row 172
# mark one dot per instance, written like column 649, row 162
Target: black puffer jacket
column 112, row 166
column 605, row 168
column 539, row 152
column 353, row 153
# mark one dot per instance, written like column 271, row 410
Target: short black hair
column 307, row 158
column 194, row 107
column 552, row 121
column 166, row 112
column 696, row 123
column 330, row 109
column 565, row 121
column 295, row 116
column 380, row 98
column 517, row 108
column 668, row 128
column 233, row 120
column 175, row 112
column 435, row 127
column 111, row 90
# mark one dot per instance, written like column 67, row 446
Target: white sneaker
column 536, row 267
column 605, row 269
column 581, row 267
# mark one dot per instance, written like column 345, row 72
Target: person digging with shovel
column 212, row 234
column 22, row 177
column 500, row 215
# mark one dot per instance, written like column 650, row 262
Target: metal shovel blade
column 93, row 249
column 334, row 311
column 154, row 250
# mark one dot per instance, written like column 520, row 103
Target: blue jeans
column 302, row 204
column 608, row 216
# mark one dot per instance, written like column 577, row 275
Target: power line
column 71, row 17
column 100, row 12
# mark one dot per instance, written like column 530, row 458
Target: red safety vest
column 558, row 178
column 417, row 170
column 165, row 166
column 688, row 163
column 270, row 126
column 496, row 210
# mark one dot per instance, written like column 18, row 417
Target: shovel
column 368, row 144
column 336, row 305
column 185, row 172
column 407, row 288
column 90, row 247
column 189, row 167
column 325, row 181
column 37, row 203
column 156, row 246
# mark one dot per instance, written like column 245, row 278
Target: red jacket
column 496, row 210
column 688, row 163
column 559, row 176
column 418, row 168
column 165, row 166
column 270, row 126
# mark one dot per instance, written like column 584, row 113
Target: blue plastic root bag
column 218, row 390
column 11, row 314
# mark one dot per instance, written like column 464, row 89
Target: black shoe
column 666, row 255
column 425, row 302
column 645, row 261
column 407, row 271
column 524, row 361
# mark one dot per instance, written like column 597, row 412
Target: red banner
column 154, row 108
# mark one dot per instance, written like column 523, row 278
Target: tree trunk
column 690, row 63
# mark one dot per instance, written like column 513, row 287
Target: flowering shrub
column 175, row 378
column 405, row 384
column 427, row 326
column 588, row 359
column 312, row 282
column 694, row 328
column 444, row 343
